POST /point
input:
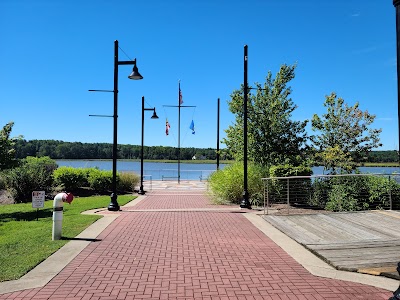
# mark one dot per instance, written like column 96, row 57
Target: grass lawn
column 25, row 242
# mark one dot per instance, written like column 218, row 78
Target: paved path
column 176, row 245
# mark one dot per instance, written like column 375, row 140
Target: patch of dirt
column 5, row 197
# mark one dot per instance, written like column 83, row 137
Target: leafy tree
column 273, row 138
column 7, row 150
column 345, row 136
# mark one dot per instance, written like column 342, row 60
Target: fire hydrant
column 58, row 206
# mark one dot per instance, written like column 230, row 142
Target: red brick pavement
column 189, row 255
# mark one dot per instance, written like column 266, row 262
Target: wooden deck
column 365, row 242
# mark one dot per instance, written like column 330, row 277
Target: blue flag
column 191, row 127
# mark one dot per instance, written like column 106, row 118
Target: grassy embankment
column 26, row 241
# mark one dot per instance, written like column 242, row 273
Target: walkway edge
column 49, row 268
column 314, row 264
column 53, row 265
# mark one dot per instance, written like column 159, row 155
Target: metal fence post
column 288, row 201
column 264, row 181
column 390, row 195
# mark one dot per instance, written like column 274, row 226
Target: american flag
column 180, row 94
column 167, row 126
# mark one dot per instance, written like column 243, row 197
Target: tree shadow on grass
column 26, row 216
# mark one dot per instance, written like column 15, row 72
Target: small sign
column 38, row 199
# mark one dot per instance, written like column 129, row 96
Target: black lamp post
column 396, row 3
column 218, row 108
column 245, row 201
column 154, row 116
column 135, row 75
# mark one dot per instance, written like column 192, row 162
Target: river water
column 161, row 170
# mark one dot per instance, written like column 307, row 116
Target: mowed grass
column 26, row 237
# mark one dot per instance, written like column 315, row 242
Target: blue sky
column 52, row 52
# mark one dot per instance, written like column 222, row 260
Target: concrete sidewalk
column 176, row 245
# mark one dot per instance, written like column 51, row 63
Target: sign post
column 38, row 201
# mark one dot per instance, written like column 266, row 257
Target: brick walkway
column 188, row 255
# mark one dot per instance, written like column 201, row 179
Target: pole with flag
column 180, row 101
column 191, row 127
column 167, row 127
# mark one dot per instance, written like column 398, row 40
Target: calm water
column 159, row 170
column 155, row 170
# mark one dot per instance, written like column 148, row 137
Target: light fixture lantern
column 154, row 116
column 135, row 75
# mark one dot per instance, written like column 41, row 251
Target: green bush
column 127, row 182
column 299, row 188
column 360, row 193
column 226, row 185
column 289, row 170
column 2, row 181
column 32, row 174
column 71, row 178
column 101, row 181
column 340, row 198
column 320, row 190
column 381, row 190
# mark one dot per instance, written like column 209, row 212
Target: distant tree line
column 76, row 150
column 383, row 156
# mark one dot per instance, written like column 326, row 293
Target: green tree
column 345, row 137
column 7, row 150
column 273, row 137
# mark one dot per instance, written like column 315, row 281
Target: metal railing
column 148, row 182
column 335, row 192
column 168, row 174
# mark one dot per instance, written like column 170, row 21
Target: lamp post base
column 245, row 201
column 141, row 191
column 396, row 293
column 113, row 206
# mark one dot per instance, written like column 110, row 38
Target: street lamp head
column 154, row 116
column 135, row 75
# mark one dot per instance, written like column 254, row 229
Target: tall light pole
column 245, row 201
column 218, row 134
column 154, row 116
column 396, row 3
column 135, row 75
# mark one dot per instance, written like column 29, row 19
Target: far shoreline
column 209, row 161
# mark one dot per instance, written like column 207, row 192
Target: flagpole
column 179, row 106
column 179, row 132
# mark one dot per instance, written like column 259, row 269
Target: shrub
column 32, row 174
column 2, row 181
column 341, row 198
column 320, row 188
column 71, row 178
column 299, row 188
column 381, row 190
column 289, row 170
column 227, row 185
column 127, row 182
column 101, row 181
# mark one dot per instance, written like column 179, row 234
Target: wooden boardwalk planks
column 367, row 242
